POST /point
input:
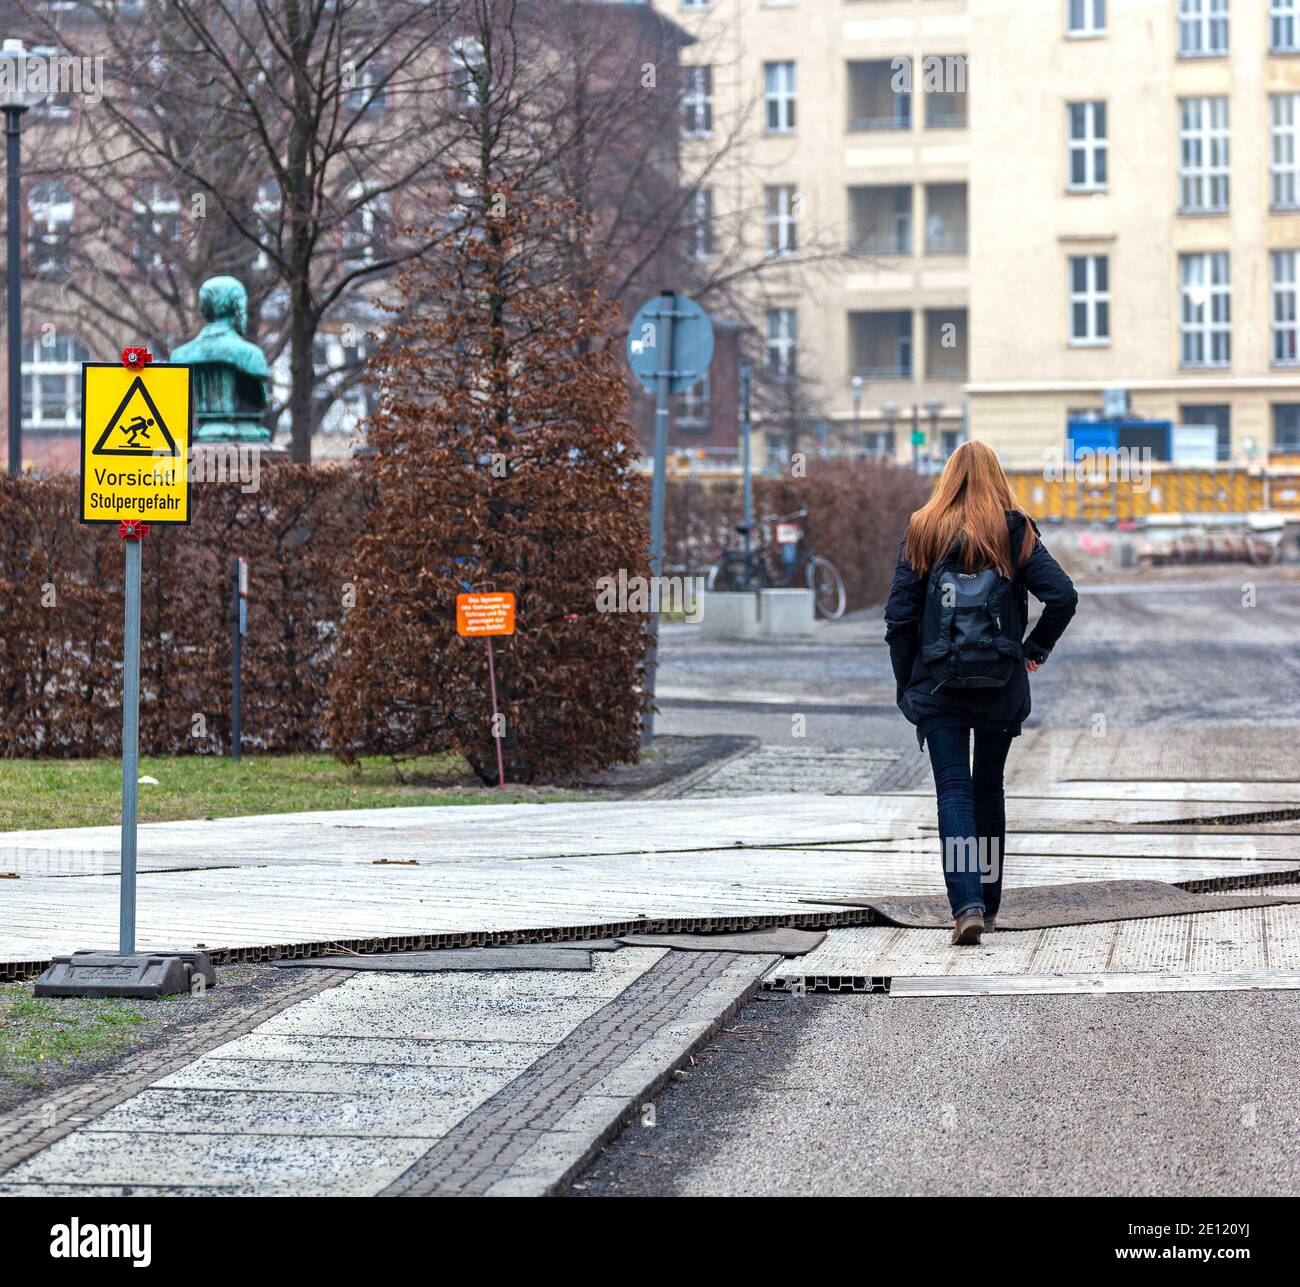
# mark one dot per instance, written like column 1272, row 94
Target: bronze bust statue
column 230, row 374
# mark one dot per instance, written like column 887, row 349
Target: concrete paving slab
column 318, row 1114
column 352, row 1078
column 450, row 960
column 266, row 1164
column 1263, row 939
column 512, row 1019
column 392, row 1051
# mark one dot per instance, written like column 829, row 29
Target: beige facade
column 880, row 181
column 1172, row 193
column 1170, row 277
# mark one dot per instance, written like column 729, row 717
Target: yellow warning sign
column 135, row 443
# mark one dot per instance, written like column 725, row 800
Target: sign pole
column 135, row 450
column 746, row 428
column 663, row 394
column 130, row 738
column 496, row 721
column 236, row 659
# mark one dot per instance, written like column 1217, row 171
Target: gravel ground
column 1182, row 1094
column 134, row 1026
column 1167, row 651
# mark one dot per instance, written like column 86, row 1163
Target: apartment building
column 1136, row 220
column 836, row 132
column 1064, row 208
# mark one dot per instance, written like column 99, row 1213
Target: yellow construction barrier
column 1167, row 489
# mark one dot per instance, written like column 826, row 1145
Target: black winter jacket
column 1003, row 708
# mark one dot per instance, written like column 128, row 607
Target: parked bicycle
column 780, row 559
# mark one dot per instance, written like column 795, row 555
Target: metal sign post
column 238, row 629
column 670, row 346
column 746, row 430
column 132, row 535
column 135, row 444
column 486, row 614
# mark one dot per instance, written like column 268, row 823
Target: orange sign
column 485, row 614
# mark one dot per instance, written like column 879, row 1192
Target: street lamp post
column 14, row 103
column 856, row 384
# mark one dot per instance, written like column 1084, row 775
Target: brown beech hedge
column 61, row 616
column 61, row 613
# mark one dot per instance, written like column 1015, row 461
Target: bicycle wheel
column 828, row 588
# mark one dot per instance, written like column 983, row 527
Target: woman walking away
column 955, row 624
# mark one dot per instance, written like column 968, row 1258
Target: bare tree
column 276, row 139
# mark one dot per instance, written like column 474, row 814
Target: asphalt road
column 1182, row 1094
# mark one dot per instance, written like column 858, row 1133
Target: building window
column 1284, row 157
column 782, row 339
column 701, row 226
column 696, row 4
column 1088, row 147
column 1202, row 28
column 469, row 80
column 697, row 102
column 781, row 219
column 156, row 210
column 1085, row 17
column 57, row 104
column 878, row 442
column 1203, row 155
column 51, row 377
column 778, row 98
column 694, row 406
column 51, row 207
column 365, row 223
column 1219, row 415
column 1286, row 426
column 1206, row 329
column 1285, row 320
column 369, row 88
column 1089, row 299
column 1284, row 27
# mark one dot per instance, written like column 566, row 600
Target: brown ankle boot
column 967, row 928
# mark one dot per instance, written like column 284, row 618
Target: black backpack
column 971, row 628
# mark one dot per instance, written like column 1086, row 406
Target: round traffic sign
column 692, row 342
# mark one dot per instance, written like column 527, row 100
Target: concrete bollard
column 785, row 612
column 730, row 614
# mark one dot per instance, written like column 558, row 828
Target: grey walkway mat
column 779, row 941
column 455, row 958
column 1088, row 903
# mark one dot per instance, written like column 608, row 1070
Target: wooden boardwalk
column 464, row 874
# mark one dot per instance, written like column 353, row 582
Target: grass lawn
column 38, row 1033
column 85, row 793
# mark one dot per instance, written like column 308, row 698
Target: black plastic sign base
column 110, row 974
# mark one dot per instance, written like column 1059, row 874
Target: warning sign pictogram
column 136, row 428
column 135, row 443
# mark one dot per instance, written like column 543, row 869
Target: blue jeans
column 972, row 815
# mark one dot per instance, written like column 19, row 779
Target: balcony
column 880, row 220
column 874, row 101
column 881, row 345
column 944, row 81
column 946, row 226
column 947, row 344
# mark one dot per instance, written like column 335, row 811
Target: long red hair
column 968, row 509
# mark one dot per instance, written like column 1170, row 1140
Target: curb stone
column 539, row 1131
